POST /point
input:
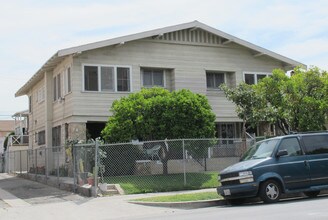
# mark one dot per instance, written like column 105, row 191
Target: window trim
column 215, row 72
column 114, row 78
column 255, row 75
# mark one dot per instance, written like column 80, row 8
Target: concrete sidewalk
column 27, row 199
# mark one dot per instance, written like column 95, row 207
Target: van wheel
column 312, row 194
column 270, row 191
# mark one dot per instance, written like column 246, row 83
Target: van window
column 316, row 144
column 291, row 145
column 260, row 150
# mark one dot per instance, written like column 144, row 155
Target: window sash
column 214, row 80
column 153, row 78
column 123, row 79
column 91, row 78
column 107, row 78
column 254, row 77
column 67, row 83
column 250, row 79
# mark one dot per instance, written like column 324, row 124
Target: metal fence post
column 57, row 152
column 75, row 181
column 96, row 168
column 36, row 163
column 184, row 163
column 27, row 168
column 20, row 162
column 46, row 163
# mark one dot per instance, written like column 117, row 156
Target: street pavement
column 25, row 199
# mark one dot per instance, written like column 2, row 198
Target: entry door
column 293, row 168
column 227, row 132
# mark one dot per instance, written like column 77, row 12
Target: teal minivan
column 286, row 164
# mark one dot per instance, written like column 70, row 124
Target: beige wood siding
column 188, row 63
column 62, row 109
column 37, row 114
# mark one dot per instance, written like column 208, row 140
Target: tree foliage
column 296, row 103
column 156, row 114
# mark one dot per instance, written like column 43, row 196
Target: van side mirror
column 281, row 153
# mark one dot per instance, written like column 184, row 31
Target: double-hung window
column 214, row 80
column 253, row 78
column 153, row 77
column 107, row 78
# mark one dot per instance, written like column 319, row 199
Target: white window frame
column 215, row 72
column 255, row 75
column 150, row 68
column 114, row 78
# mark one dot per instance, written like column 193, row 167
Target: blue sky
column 32, row 31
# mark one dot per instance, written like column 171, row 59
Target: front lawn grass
column 164, row 183
column 189, row 197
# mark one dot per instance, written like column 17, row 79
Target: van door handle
column 306, row 163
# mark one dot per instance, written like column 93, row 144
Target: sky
column 33, row 30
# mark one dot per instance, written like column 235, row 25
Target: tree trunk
column 165, row 158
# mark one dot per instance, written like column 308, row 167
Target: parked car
column 286, row 164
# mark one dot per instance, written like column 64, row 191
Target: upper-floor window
column 214, row 79
column 107, row 78
column 57, row 87
column 253, row 78
column 40, row 95
column 152, row 77
column 67, row 81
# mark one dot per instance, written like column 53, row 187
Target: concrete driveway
column 25, row 199
column 17, row 191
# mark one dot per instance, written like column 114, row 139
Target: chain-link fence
column 40, row 164
column 137, row 167
column 154, row 166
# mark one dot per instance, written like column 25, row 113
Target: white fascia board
column 127, row 38
column 247, row 44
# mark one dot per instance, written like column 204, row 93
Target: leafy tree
column 298, row 103
column 249, row 106
column 157, row 114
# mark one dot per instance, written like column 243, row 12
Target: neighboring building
column 6, row 127
column 71, row 94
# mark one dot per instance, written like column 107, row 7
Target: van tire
column 312, row 194
column 270, row 191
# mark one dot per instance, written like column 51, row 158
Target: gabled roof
column 61, row 54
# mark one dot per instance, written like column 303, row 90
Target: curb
column 184, row 205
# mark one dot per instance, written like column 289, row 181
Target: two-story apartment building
column 71, row 94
